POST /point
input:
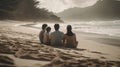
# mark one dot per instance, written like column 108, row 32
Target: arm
column 41, row 36
column 75, row 41
column 50, row 37
column 64, row 37
column 75, row 37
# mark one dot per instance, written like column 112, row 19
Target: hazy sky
column 60, row 5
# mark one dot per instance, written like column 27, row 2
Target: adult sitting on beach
column 41, row 34
column 56, row 37
column 70, row 38
column 46, row 40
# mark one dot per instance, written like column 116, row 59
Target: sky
column 60, row 5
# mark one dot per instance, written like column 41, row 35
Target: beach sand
column 21, row 44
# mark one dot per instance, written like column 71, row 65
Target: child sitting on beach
column 70, row 38
column 46, row 40
column 41, row 34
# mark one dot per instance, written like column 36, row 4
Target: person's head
column 69, row 27
column 69, row 30
column 56, row 26
column 48, row 29
column 44, row 26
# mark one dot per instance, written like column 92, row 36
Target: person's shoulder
column 45, row 33
column 74, row 34
column 65, row 35
column 61, row 32
column 42, row 31
column 52, row 33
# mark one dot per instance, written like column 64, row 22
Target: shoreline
column 24, row 42
column 100, row 38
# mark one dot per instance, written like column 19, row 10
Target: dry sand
column 22, row 45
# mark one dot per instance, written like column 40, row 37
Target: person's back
column 41, row 34
column 70, row 38
column 46, row 36
column 70, row 41
column 56, row 37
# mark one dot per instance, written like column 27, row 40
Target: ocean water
column 111, row 28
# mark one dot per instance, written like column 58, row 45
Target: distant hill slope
column 102, row 10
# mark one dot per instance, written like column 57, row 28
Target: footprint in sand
column 96, row 52
column 80, row 49
column 76, row 52
column 102, row 57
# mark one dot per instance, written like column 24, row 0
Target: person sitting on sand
column 70, row 38
column 41, row 34
column 56, row 37
column 46, row 40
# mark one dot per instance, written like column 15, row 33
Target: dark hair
column 44, row 26
column 48, row 29
column 69, row 30
column 56, row 26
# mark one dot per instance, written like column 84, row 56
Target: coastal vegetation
column 26, row 10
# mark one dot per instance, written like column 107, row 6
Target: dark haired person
column 56, row 37
column 70, row 38
column 41, row 34
column 46, row 36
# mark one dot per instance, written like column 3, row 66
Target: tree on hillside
column 6, row 7
column 24, row 10
column 28, row 10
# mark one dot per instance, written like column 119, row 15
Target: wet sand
column 21, row 44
